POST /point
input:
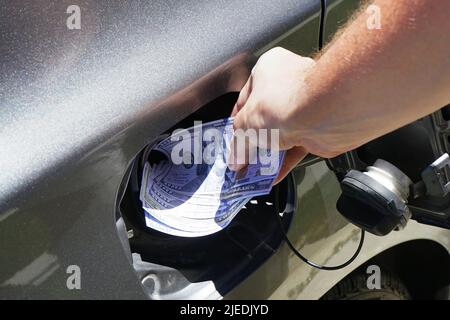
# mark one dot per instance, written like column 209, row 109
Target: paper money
column 199, row 195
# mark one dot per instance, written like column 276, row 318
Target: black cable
column 304, row 259
column 315, row 265
column 322, row 24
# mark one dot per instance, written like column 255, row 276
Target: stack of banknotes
column 200, row 196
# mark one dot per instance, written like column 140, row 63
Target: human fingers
column 292, row 158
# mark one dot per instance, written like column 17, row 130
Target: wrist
column 301, row 119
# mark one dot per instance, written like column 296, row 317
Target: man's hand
column 269, row 100
column 367, row 83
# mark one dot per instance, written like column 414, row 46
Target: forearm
column 370, row 82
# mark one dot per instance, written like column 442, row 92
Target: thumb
column 292, row 158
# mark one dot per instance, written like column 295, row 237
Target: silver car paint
column 77, row 105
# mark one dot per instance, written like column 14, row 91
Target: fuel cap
column 376, row 200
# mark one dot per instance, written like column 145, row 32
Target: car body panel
column 78, row 105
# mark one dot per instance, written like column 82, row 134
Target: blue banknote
column 192, row 192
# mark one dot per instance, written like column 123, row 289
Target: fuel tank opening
column 211, row 264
